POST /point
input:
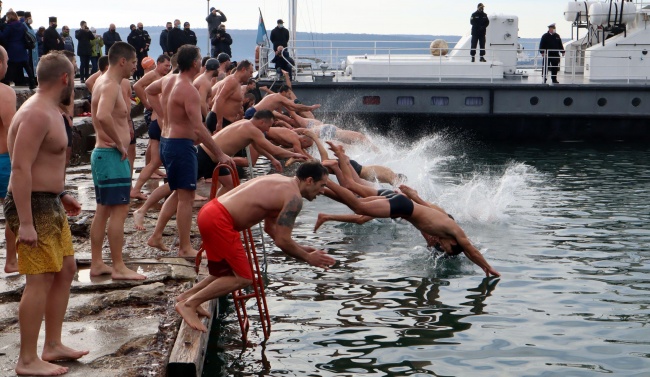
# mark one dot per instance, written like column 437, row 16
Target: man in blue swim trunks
column 181, row 106
column 163, row 67
column 7, row 111
column 109, row 165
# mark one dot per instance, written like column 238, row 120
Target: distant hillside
column 313, row 44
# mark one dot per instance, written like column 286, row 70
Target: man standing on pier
column 7, row 111
column 273, row 198
column 480, row 22
column 35, row 209
column 110, row 168
column 228, row 98
column 550, row 47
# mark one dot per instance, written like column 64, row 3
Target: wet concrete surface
column 129, row 327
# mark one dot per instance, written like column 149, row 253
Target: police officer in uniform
column 480, row 22
column 550, row 47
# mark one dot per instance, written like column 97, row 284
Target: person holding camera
column 222, row 41
column 84, row 50
column 214, row 19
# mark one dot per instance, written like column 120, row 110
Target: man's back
column 260, row 198
column 235, row 137
column 270, row 102
column 181, row 94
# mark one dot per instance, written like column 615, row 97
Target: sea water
column 567, row 226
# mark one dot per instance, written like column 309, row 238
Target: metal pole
column 208, row 50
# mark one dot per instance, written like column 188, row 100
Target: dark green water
column 568, row 226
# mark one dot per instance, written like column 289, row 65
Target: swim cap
column 223, row 57
column 212, row 64
column 147, row 63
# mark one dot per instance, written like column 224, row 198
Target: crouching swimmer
column 273, row 198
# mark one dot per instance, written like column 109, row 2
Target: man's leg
column 184, row 222
column 168, row 210
column 117, row 217
column 474, row 42
column 30, row 315
column 482, row 45
column 147, row 171
column 97, row 234
column 55, row 307
column 355, row 219
column 157, row 195
column 379, row 207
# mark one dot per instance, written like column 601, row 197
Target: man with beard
column 228, row 98
column 175, row 38
column 110, row 37
column 110, row 168
column 35, row 209
column 52, row 40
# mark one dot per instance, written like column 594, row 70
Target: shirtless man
column 203, row 83
column 228, row 99
column 278, row 101
column 290, row 139
column 162, row 68
column 224, row 66
column 102, row 63
column 111, row 171
column 230, row 140
column 273, row 198
column 7, row 111
column 428, row 220
column 35, row 209
column 182, row 129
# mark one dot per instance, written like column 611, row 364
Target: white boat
column 603, row 95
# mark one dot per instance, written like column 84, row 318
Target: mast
column 293, row 12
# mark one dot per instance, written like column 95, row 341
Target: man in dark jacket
column 110, row 37
column 176, row 38
column 480, row 22
column 222, row 41
column 190, row 36
column 279, row 36
column 17, row 57
column 84, row 51
column 136, row 40
column 52, row 40
column 214, row 19
column 550, row 47
column 163, row 38
column 146, row 38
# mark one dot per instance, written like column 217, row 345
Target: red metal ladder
column 239, row 296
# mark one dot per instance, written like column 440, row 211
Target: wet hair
column 284, row 88
column 120, row 50
column 103, row 62
column 51, row 66
column 187, row 54
column 264, row 114
column 204, row 60
column 162, row 58
column 244, row 64
column 313, row 169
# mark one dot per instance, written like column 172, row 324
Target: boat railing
column 328, row 58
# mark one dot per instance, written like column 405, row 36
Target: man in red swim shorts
column 274, row 198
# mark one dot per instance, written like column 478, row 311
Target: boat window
column 602, row 102
column 405, row 101
column 636, row 102
column 534, row 100
column 473, row 101
column 371, row 100
column 568, row 101
column 440, row 101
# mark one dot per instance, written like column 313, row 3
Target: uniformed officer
column 550, row 46
column 480, row 22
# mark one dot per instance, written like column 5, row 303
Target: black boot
column 483, row 59
column 473, row 59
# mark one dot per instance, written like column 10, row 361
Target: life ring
column 257, row 58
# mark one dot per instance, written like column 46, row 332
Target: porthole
column 602, row 102
column 568, row 101
column 440, row 101
column 636, row 102
column 405, row 101
column 534, row 100
column 371, row 100
column 473, row 101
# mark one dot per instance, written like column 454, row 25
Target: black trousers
column 478, row 39
column 15, row 74
column 553, row 65
column 84, row 65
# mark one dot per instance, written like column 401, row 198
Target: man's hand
column 120, row 148
column 27, row 235
column 319, row 258
column 71, row 205
column 277, row 165
column 225, row 159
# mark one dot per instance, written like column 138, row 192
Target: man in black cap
column 550, row 47
column 224, row 65
column 279, row 36
column 190, row 36
column 214, row 19
column 480, row 22
column 52, row 40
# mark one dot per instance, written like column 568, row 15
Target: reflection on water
column 566, row 225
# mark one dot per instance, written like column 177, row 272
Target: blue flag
column 262, row 37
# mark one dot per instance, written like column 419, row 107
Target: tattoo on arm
column 289, row 213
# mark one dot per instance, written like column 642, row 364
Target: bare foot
column 61, row 352
column 138, row 195
column 100, row 269
column 157, row 243
column 126, row 274
column 191, row 253
column 408, row 191
column 11, row 267
column 199, row 198
column 202, row 312
column 322, row 218
column 138, row 219
column 208, row 180
column 190, row 316
column 39, row 367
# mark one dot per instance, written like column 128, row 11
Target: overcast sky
column 432, row 17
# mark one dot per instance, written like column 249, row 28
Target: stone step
column 81, row 106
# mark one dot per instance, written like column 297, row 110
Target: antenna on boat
column 293, row 11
